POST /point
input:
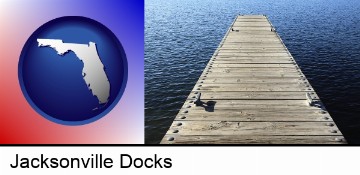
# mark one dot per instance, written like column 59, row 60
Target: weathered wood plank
column 250, row 110
column 240, row 103
column 245, row 139
column 253, row 128
column 251, row 49
column 254, row 54
column 252, row 24
column 291, row 117
column 241, row 36
column 251, row 17
column 250, row 20
column 255, row 69
column 261, row 50
column 252, row 28
column 254, row 65
column 213, row 109
column 250, row 74
column 230, row 80
column 248, row 45
column 253, row 40
column 252, row 61
column 253, row 95
column 252, row 57
column 254, row 87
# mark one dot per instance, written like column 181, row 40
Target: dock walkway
column 252, row 91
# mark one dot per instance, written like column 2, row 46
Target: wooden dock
column 253, row 92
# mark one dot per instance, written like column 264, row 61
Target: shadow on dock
column 208, row 106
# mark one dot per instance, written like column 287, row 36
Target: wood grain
column 245, row 139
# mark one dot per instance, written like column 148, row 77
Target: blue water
column 322, row 35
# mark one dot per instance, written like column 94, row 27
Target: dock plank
column 244, row 80
column 252, row 65
column 252, row 61
column 245, row 139
column 253, row 128
column 255, row 69
column 252, row 95
column 254, row 54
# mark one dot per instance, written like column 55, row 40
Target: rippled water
column 322, row 35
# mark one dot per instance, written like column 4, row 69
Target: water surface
column 322, row 35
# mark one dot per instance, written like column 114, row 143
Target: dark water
column 322, row 35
